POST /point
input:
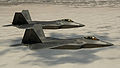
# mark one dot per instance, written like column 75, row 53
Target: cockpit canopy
column 67, row 20
column 91, row 38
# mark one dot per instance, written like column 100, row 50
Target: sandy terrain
column 101, row 22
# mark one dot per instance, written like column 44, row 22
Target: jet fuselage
column 75, row 43
column 51, row 25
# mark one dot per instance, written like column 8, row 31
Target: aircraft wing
column 56, row 46
column 68, row 46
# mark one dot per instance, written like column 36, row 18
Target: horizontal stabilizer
column 7, row 25
column 14, row 45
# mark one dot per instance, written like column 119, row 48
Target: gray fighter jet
column 35, row 39
column 23, row 20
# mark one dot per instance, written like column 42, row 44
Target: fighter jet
column 35, row 39
column 23, row 20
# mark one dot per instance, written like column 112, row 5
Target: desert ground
column 103, row 22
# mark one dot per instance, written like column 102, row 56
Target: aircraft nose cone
column 76, row 24
column 81, row 25
column 97, row 44
column 109, row 44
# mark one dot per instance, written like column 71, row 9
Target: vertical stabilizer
column 35, row 35
column 26, row 15
column 19, row 19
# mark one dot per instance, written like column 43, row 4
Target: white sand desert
column 101, row 22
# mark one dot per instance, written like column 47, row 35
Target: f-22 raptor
column 35, row 38
column 23, row 20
